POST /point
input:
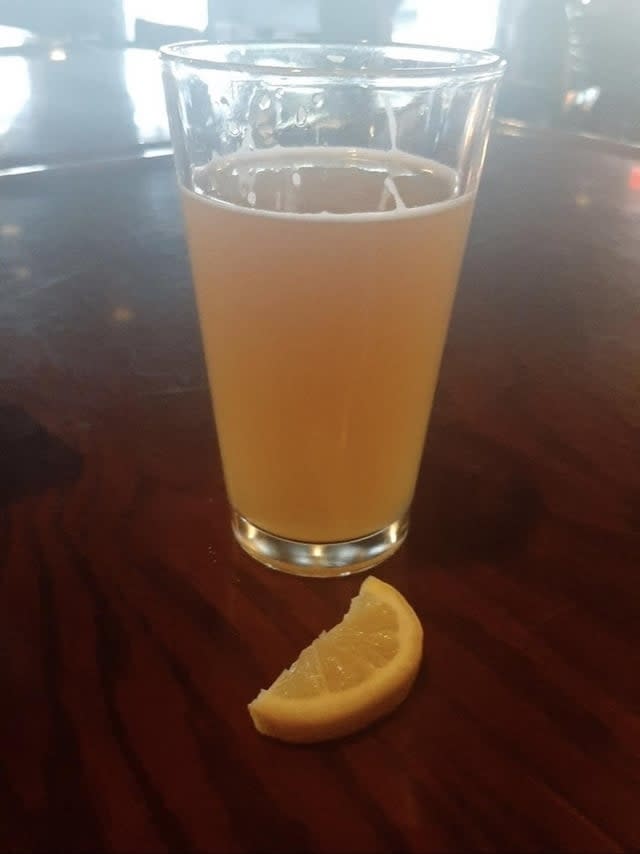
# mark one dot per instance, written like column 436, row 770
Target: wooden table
column 133, row 631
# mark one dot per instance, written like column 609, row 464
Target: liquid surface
column 324, row 301
column 313, row 181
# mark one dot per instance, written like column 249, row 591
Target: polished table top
column 71, row 103
column 133, row 631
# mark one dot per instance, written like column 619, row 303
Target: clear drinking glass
column 327, row 193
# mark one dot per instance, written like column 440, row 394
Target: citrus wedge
column 349, row 676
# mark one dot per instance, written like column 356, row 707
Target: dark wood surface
column 133, row 631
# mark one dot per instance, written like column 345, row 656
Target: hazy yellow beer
column 327, row 192
column 324, row 283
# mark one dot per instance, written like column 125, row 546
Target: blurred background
column 79, row 79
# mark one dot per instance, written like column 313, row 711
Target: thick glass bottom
column 319, row 560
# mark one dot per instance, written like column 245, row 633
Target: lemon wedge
column 349, row 676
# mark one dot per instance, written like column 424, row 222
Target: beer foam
column 390, row 165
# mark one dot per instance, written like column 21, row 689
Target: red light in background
column 634, row 177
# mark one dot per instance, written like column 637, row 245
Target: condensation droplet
column 251, row 198
column 265, row 102
column 233, row 128
column 372, row 131
column 338, row 58
column 296, row 180
column 224, row 101
column 279, row 93
column 318, row 100
column 234, row 172
column 301, row 117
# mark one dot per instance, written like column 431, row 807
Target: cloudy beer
column 324, row 281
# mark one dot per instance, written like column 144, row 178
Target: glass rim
column 474, row 64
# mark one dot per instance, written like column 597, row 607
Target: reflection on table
column 74, row 103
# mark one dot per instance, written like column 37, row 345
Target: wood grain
column 133, row 631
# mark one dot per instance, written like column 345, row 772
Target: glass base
column 319, row 560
